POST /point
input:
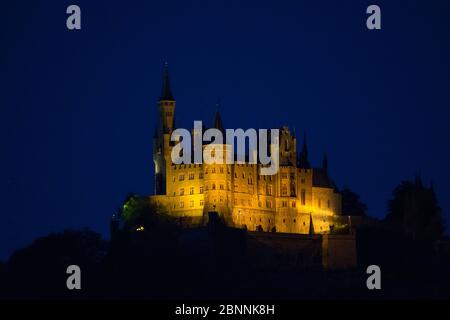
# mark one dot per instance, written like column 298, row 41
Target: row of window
column 191, row 204
column 191, row 176
column 269, row 193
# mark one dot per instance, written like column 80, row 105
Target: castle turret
column 303, row 159
column 165, row 127
column 218, row 123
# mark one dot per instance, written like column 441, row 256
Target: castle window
column 293, row 204
column 191, row 190
column 182, row 204
column 243, row 175
column 206, row 170
column 228, row 170
column 292, row 190
column 328, row 203
column 221, row 199
column 202, row 203
column 284, row 220
column 181, row 177
column 214, row 186
column 235, row 174
column 213, row 170
column 295, row 221
column 181, row 191
column 221, row 170
column 269, row 190
column 303, row 180
column 268, row 204
column 173, row 179
column 284, row 204
column 191, row 176
column 304, row 224
column 221, row 187
column 284, row 176
column 320, row 203
column 284, row 191
column 201, row 189
column 192, row 203
column 303, row 197
column 174, row 193
column 200, row 175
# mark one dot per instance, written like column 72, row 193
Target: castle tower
column 218, row 179
column 165, row 127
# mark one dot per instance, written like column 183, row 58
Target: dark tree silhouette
column 39, row 270
column 351, row 203
column 415, row 208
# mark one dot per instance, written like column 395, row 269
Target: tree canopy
column 414, row 206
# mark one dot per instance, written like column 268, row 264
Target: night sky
column 77, row 108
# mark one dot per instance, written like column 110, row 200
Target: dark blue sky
column 77, row 108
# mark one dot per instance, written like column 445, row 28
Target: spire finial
column 166, row 92
column 218, row 104
column 218, row 123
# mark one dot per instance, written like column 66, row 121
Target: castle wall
column 285, row 202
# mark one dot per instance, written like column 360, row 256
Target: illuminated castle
column 298, row 199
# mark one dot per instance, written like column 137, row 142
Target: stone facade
column 298, row 199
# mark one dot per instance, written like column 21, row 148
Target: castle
column 298, row 199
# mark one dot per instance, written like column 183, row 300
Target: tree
column 351, row 203
column 39, row 270
column 415, row 208
column 140, row 212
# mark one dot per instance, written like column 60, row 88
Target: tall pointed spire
column 303, row 159
column 218, row 123
column 166, row 92
column 311, row 224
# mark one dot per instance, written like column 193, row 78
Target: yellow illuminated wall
column 285, row 202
